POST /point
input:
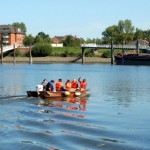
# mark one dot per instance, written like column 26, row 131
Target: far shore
column 55, row 60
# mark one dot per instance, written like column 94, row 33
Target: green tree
column 46, row 38
column 20, row 25
column 96, row 41
column 68, row 41
column 125, row 31
column 110, row 34
column 146, row 35
column 121, row 33
column 138, row 34
column 41, row 50
column 38, row 39
column 28, row 40
column 76, row 42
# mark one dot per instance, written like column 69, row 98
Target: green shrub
column 106, row 54
column 17, row 53
column 41, row 50
column 88, row 53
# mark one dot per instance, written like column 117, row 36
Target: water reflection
column 67, row 106
column 71, row 103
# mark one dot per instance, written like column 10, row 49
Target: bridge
column 7, row 48
column 91, row 46
column 112, row 47
column 120, row 46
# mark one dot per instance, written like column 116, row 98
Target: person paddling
column 83, row 84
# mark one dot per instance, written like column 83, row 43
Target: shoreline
column 55, row 60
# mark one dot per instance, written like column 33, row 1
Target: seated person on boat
column 74, row 84
column 59, row 85
column 44, row 83
column 50, row 86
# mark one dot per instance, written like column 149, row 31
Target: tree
column 110, row 34
column 121, row 33
column 20, row 25
column 68, row 41
column 41, row 37
column 125, row 31
column 96, row 41
column 38, row 39
column 77, row 42
column 138, row 34
column 28, row 40
column 146, row 35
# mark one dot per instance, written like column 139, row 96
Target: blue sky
column 83, row 18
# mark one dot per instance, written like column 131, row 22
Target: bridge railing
column 8, row 48
column 119, row 46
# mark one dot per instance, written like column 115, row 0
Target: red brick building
column 10, row 35
column 60, row 39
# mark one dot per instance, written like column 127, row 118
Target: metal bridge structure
column 108, row 46
column 112, row 47
column 4, row 49
column 7, row 48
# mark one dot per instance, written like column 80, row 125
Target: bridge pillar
column 112, row 53
column 82, row 55
column 30, row 60
column 137, row 46
column 14, row 54
column 1, row 53
column 123, row 52
column 92, row 51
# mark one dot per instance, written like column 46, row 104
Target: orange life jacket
column 83, row 85
column 68, row 86
column 74, row 84
column 58, row 86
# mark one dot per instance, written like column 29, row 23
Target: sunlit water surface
column 116, row 116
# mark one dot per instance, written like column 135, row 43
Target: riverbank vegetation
column 122, row 33
column 38, row 51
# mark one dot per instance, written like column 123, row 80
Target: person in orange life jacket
column 68, row 85
column 74, row 84
column 59, row 85
column 83, row 84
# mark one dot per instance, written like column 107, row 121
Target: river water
column 116, row 115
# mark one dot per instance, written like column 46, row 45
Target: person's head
column 68, row 80
column 60, row 80
column 74, row 80
column 84, row 80
column 52, row 81
column 44, row 80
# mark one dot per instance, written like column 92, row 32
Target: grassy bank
column 70, row 52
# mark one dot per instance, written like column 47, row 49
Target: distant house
column 60, row 39
column 141, row 42
column 10, row 35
